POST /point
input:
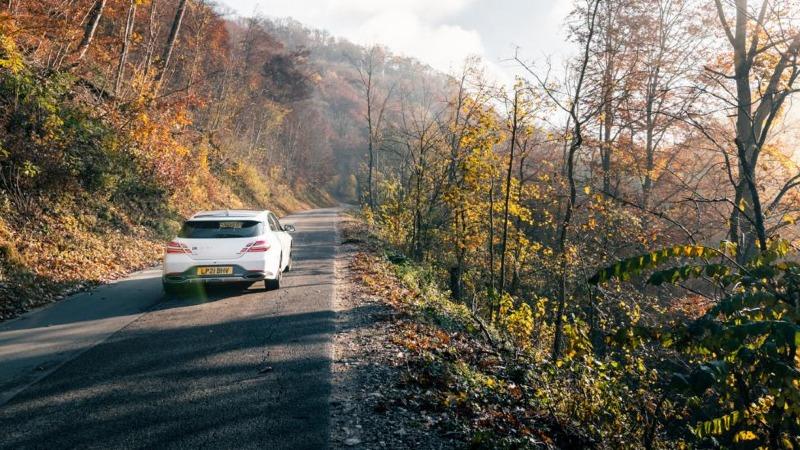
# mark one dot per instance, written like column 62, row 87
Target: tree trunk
column 173, row 37
column 90, row 29
column 752, row 229
column 576, row 144
column 151, row 38
column 608, row 150
column 455, row 282
column 457, row 271
column 491, row 241
column 647, row 186
column 123, row 55
column 508, row 191
column 370, row 170
column 574, row 147
column 515, row 277
column 418, row 244
column 608, row 110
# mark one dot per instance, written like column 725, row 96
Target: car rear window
column 218, row 229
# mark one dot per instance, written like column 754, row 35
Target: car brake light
column 255, row 247
column 177, row 247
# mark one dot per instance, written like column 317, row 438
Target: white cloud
column 444, row 47
column 441, row 33
column 431, row 9
column 416, row 28
column 560, row 9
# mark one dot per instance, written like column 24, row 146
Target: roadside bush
column 735, row 380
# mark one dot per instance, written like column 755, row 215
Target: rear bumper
column 240, row 275
column 181, row 269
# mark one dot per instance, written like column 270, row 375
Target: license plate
column 216, row 270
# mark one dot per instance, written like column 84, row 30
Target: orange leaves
column 371, row 272
column 80, row 248
column 163, row 157
column 417, row 338
column 181, row 118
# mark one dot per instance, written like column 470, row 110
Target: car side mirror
column 289, row 228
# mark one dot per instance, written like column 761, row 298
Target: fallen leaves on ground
column 449, row 377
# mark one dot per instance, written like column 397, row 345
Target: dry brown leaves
column 58, row 253
column 475, row 395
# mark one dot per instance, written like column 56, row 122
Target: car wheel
column 289, row 264
column 272, row 285
column 171, row 289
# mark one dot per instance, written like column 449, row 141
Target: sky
column 441, row 33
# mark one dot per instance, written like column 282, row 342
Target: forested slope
column 121, row 117
column 621, row 232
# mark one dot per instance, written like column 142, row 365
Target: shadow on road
column 240, row 383
column 223, row 367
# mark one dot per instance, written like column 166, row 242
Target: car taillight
column 255, row 247
column 177, row 247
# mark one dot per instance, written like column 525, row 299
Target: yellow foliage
column 516, row 322
column 745, row 435
column 252, row 182
column 396, row 215
column 10, row 57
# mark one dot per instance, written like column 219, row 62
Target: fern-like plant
column 741, row 382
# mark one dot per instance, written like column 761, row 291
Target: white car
column 230, row 246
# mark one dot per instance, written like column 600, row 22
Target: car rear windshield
column 218, row 229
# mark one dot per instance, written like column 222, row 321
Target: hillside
column 120, row 118
column 602, row 254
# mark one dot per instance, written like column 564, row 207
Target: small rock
column 350, row 442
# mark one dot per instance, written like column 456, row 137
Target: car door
column 283, row 237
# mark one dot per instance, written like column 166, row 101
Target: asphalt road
column 124, row 367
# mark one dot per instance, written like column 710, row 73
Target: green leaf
column 717, row 426
column 683, row 273
column 626, row 268
column 736, row 303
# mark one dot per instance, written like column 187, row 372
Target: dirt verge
column 371, row 405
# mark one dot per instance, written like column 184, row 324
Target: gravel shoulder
column 370, row 407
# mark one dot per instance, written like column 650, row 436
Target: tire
column 272, row 285
column 171, row 289
column 289, row 264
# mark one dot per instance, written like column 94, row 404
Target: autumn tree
column 421, row 143
column 572, row 102
column 369, row 66
column 469, row 101
column 762, row 72
column 126, row 41
column 169, row 47
column 90, row 28
column 615, row 58
column 520, row 114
